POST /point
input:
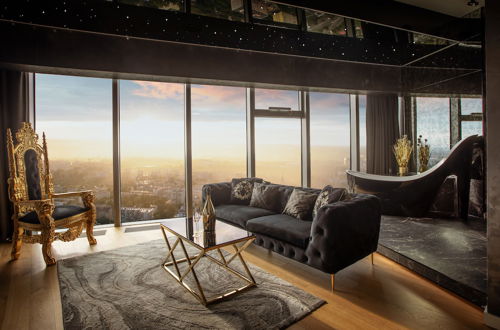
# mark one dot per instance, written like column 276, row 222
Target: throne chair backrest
column 30, row 177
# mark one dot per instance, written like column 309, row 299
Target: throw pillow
column 266, row 196
column 241, row 190
column 300, row 204
column 327, row 196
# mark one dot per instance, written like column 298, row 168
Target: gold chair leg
column 332, row 278
column 47, row 239
column 17, row 242
column 90, row 230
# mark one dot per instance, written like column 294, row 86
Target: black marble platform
column 449, row 252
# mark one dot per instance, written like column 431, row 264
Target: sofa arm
column 344, row 232
column 220, row 192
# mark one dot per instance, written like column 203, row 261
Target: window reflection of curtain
column 382, row 131
column 14, row 91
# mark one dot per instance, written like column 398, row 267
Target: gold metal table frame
column 193, row 260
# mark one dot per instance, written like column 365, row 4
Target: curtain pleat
column 382, row 131
column 14, row 109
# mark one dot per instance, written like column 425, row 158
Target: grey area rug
column 128, row 289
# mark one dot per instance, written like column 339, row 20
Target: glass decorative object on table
column 196, row 219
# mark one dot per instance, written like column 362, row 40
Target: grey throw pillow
column 266, row 196
column 327, row 196
column 241, row 190
column 300, row 204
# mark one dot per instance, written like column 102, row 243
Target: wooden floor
column 383, row 296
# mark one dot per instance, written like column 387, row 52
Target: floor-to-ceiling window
column 277, row 150
column 218, row 116
column 152, row 150
column 471, row 115
column 433, row 124
column 76, row 115
column 277, row 139
column 330, row 139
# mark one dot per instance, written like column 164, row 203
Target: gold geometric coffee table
column 224, row 235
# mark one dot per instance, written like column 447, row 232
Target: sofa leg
column 332, row 279
column 372, row 259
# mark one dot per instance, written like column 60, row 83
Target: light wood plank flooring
column 383, row 296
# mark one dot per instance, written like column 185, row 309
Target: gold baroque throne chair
column 32, row 193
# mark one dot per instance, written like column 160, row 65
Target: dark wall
column 44, row 49
column 492, row 52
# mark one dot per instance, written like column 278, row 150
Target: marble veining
column 450, row 252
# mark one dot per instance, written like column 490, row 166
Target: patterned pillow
column 266, row 196
column 327, row 196
column 300, row 204
column 241, row 190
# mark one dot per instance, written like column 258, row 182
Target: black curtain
column 14, row 109
column 382, row 131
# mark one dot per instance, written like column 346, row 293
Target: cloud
column 158, row 90
column 218, row 94
column 202, row 93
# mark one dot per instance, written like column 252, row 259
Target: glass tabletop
column 224, row 234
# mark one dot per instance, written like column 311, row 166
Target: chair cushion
column 239, row 214
column 282, row 227
column 60, row 212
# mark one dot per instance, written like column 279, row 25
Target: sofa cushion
column 241, row 190
column 60, row 212
column 328, row 195
column 300, row 204
column 239, row 214
column 282, row 227
column 266, row 196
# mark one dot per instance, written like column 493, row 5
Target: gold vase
column 208, row 214
column 403, row 170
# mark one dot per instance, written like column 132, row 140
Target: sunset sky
column 76, row 110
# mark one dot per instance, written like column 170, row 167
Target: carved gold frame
column 224, row 262
column 27, row 140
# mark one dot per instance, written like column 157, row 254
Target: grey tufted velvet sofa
column 340, row 234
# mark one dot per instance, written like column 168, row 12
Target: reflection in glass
column 362, row 133
column 232, row 10
column 76, row 115
column 273, row 12
column 358, row 29
column 152, row 150
column 330, row 139
column 325, row 23
column 218, row 135
column 277, row 150
column 424, row 39
column 433, row 123
column 278, row 99
column 158, row 4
